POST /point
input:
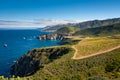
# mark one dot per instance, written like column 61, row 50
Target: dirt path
column 82, row 57
column 76, row 51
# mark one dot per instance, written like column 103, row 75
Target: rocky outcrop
column 51, row 37
column 36, row 59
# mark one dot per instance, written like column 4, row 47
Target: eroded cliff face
column 36, row 59
column 51, row 37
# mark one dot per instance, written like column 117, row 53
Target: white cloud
column 4, row 23
column 35, row 23
column 54, row 22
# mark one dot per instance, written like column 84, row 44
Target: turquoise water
column 18, row 43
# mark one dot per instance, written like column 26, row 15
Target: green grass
column 69, row 41
column 93, row 68
column 67, row 30
column 36, row 59
column 99, row 67
column 13, row 78
column 94, row 45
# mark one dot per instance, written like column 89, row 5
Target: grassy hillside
column 94, row 45
column 69, row 41
column 67, row 30
column 36, row 59
column 100, row 31
column 100, row 67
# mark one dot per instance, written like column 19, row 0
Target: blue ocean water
column 19, row 42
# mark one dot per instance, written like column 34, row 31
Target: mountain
column 56, row 27
column 83, row 25
column 108, row 30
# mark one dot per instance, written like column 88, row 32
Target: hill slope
column 99, row 67
column 100, row 31
column 36, row 59
column 67, row 30
column 84, row 25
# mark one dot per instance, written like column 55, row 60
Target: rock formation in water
column 51, row 37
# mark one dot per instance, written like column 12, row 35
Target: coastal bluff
column 36, row 59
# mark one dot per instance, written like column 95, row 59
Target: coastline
column 17, row 46
column 56, row 52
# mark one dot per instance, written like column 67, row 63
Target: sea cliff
column 36, row 59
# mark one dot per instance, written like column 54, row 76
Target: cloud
column 54, row 22
column 34, row 24
column 15, row 23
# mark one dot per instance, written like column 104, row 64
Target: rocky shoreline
column 36, row 59
column 53, row 36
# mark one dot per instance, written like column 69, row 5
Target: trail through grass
column 94, row 46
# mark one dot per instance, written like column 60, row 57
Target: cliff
column 59, row 34
column 53, row 36
column 36, row 59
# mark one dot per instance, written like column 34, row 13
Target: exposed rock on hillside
column 36, row 59
column 51, row 37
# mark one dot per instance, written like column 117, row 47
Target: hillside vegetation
column 69, row 41
column 67, row 30
column 84, row 25
column 65, row 62
column 36, row 59
column 61, row 66
column 109, row 30
column 91, row 46
column 99, row 67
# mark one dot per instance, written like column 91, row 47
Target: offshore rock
column 51, row 37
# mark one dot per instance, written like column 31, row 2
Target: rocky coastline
column 53, row 36
column 36, row 59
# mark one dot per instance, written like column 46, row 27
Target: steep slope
column 108, row 30
column 56, row 27
column 103, row 67
column 100, row 67
column 67, row 30
column 36, row 59
column 84, row 25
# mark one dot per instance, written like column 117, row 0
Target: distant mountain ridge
column 109, row 30
column 56, row 27
column 83, row 25
column 67, row 30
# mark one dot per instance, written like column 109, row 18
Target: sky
column 40, row 13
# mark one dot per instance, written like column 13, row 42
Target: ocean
column 18, row 43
